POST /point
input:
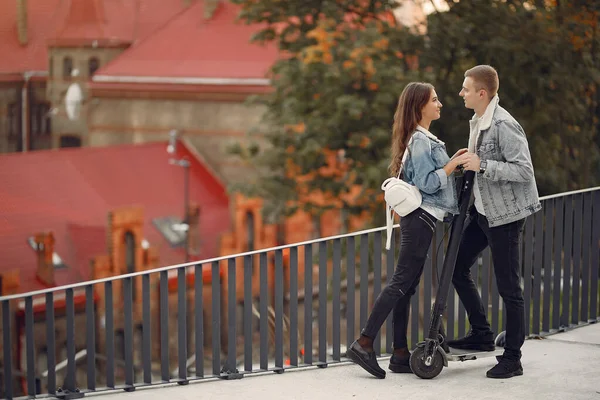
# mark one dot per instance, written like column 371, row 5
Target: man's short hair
column 485, row 77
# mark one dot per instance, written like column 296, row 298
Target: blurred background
column 142, row 133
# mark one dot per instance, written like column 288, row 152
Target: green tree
column 326, row 134
column 546, row 56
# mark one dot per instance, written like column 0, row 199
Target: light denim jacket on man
column 424, row 168
column 507, row 188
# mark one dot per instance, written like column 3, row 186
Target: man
column 505, row 193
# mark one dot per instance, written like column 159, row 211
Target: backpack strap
column 389, row 211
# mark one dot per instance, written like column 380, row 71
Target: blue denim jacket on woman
column 424, row 168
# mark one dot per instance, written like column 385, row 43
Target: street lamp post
column 183, row 162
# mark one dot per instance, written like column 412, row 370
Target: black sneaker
column 505, row 369
column 366, row 359
column 475, row 340
column 400, row 365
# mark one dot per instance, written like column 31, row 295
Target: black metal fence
column 270, row 310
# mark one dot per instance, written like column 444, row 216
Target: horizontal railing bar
column 554, row 196
column 249, row 253
column 172, row 267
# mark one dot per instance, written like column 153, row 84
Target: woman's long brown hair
column 408, row 114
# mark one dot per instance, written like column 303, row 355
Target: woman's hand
column 454, row 162
column 459, row 152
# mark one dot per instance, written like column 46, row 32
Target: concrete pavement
column 561, row 366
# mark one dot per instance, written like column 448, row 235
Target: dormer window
column 173, row 230
column 67, row 68
column 57, row 262
column 93, row 65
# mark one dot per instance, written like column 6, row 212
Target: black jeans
column 504, row 242
column 416, row 233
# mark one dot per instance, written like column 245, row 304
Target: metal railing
column 284, row 307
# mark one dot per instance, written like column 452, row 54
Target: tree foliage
column 546, row 56
column 326, row 133
column 329, row 116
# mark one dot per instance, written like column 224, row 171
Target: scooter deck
column 466, row 355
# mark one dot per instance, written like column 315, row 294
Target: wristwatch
column 482, row 166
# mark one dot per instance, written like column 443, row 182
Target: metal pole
column 186, row 200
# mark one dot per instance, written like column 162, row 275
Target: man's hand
column 469, row 161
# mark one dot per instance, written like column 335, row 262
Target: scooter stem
column 450, row 261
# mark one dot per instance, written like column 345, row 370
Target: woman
column 428, row 167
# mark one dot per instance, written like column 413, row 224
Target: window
column 13, row 117
column 70, row 141
column 67, row 68
column 130, row 252
column 40, row 119
column 93, row 65
column 250, row 231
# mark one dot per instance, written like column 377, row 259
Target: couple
column 505, row 193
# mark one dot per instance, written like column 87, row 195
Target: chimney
column 44, row 243
column 210, row 7
column 193, row 230
column 22, row 21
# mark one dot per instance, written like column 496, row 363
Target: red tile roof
column 76, row 21
column 71, row 191
column 190, row 46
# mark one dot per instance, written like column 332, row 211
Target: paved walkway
column 562, row 366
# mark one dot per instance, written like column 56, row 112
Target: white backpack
column 400, row 197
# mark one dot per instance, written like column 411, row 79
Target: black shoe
column 505, row 369
column 475, row 340
column 400, row 365
column 366, row 359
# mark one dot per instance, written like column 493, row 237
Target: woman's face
column 431, row 111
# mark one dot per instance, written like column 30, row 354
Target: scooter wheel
column 501, row 339
column 420, row 369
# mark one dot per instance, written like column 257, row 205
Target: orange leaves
column 325, row 35
column 348, row 64
column 361, row 58
column 381, row 44
column 364, row 142
column 297, row 128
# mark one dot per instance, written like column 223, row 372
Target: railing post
column 278, row 311
column 322, row 314
column 6, row 342
column 29, row 346
column 128, row 334
column 70, row 389
column 229, row 370
column 182, row 325
column 50, row 338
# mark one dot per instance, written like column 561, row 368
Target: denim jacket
column 507, row 187
column 424, row 168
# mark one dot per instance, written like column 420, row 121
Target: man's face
column 472, row 97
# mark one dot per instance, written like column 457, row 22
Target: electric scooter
column 432, row 355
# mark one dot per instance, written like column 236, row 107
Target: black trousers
column 416, row 233
column 504, row 242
